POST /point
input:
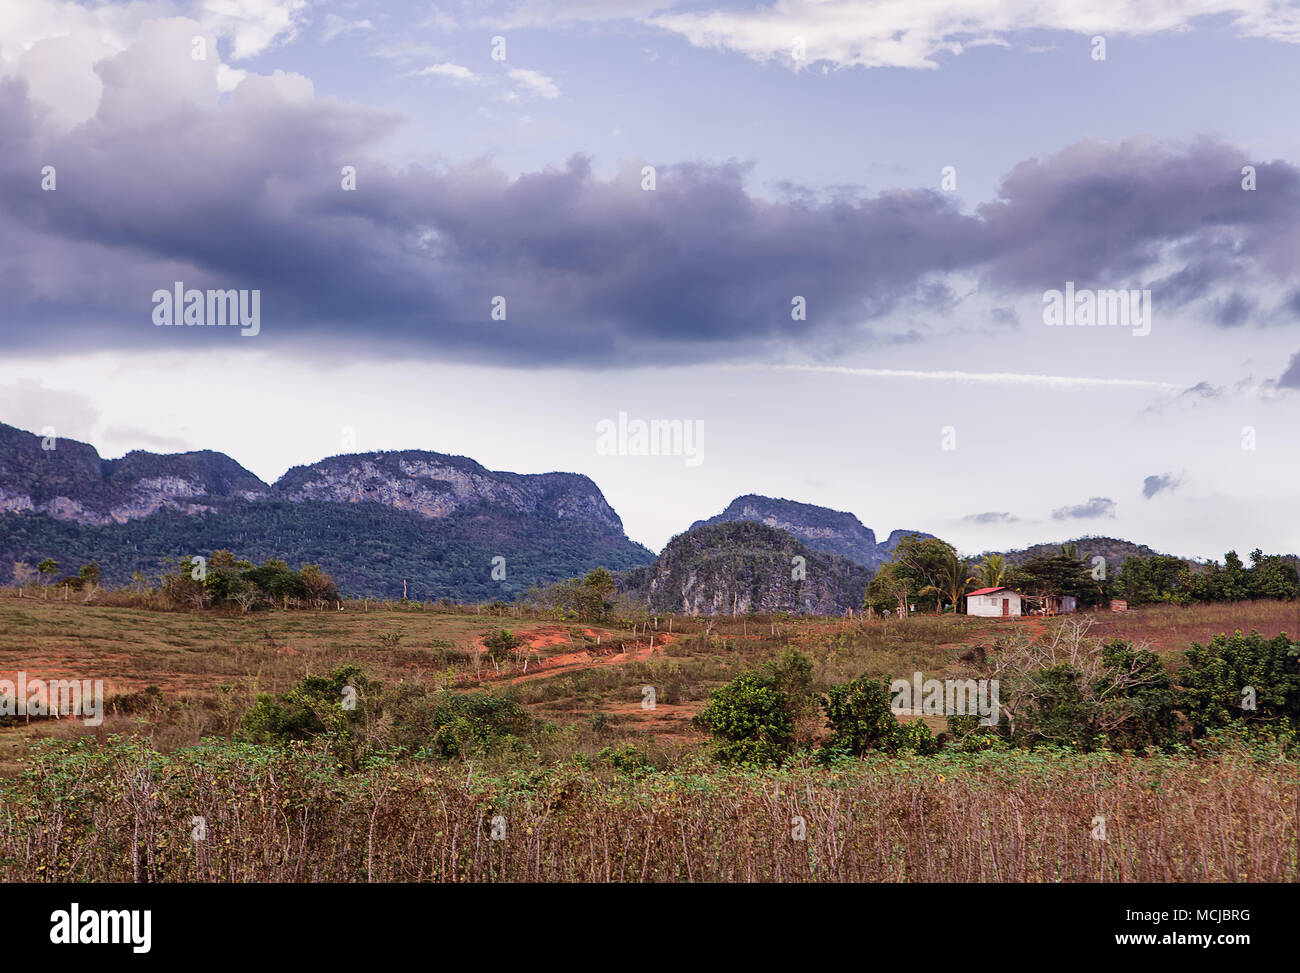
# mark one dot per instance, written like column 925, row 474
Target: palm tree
column 992, row 570
column 953, row 578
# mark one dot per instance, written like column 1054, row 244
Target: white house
column 994, row 602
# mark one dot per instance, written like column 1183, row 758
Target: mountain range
column 445, row 525
column 372, row 520
column 744, row 566
column 822, row 529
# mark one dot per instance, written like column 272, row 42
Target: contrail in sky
column 990, row 378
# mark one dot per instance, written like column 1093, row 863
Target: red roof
column 987, row 591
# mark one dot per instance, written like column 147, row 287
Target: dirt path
column 618, row 654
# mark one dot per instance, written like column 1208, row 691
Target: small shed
column 995, row 602
column 1056, row 605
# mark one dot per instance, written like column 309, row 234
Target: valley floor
column 570, row 811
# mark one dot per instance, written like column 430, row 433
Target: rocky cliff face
column 1114, row 549
column 69, row 481
column 822, row 529
column 437, row 485
column 745, row 566
column 445, row 525
column 895, row 536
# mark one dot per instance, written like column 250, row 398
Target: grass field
column 675, row 816
column 210, row 665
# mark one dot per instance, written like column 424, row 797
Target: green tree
column 953, row 581
column 919, row 569
column 991, row 571
column 339, row 707
column 499, row 645
column 1272, row 576
column 861, row 719
column 1054, row 575
column 892, row 589
column 1144, row 580
column 791, row 673
column 750, row 722
column 1242, row 680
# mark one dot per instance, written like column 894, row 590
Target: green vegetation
column 859, row 716
column 592, row 598
column 368, row 548
column 1068, row 691
column 1244, row 682
column 224, row 580
column 750, row 721
column 352, row 731
column 79, row 813
column 1169, row 579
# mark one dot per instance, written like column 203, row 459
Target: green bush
column 750, row 721
column 859, row 716
column 446, row 724
column 1218, row 677
column 341, row 707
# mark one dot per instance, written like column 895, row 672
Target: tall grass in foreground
column 120, row 812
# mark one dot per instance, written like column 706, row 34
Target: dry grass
column 191, row 656
column 122, row 814
column 100, row 808
column 1171, row 628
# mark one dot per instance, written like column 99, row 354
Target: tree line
column 1066, row 691
column 928, row 573
column 220, row 580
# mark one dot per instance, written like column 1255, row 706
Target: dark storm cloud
column 1290, row 379
column 1102, row 214
column 991, row 517
column 1159, row 483
column 1094, row 509
column 1233, row 310
column 1201, row 390
column 247, row 195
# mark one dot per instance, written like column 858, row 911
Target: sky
column 830, row 237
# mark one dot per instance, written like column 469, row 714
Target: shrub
column 448, row 724
column 750, row 722
column 1218, row 679
column 500, row 644
column 859, row 716
column 340, row 706
column 627, row 759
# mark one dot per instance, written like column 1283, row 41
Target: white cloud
column 228, row 78
column 451, row 72
column 253, row 26
column 59, row 46
column 437, row 20
column 545, row 13
column 907, row 33
column 535, row 83
column 336, row 25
